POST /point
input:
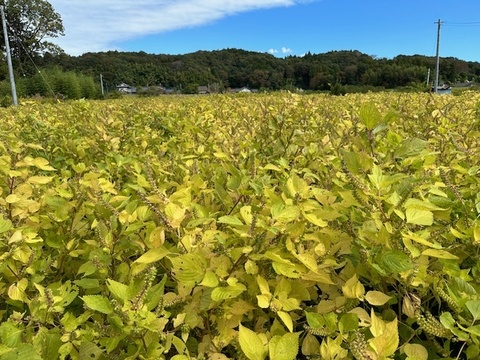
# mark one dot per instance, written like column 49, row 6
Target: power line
column 437, row 65
column 19, row 41
column 463, row 23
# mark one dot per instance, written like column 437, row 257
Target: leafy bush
column 279, row 226
column 53, row 83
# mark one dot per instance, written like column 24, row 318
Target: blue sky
column 384, row 28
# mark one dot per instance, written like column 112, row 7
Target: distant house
column 126, row 89
column 204, row 90
column 443, row 89
column 465, row 84
column 243, row 90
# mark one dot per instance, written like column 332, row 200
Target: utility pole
column 437, row 65
column 9, row 57
column 428, row 77
column 101, row 84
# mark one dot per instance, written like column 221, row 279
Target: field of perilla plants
column 251, row 227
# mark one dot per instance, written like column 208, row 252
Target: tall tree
column 31, row 25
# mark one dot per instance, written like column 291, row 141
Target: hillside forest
column 353, row 71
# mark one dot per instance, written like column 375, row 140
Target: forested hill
column 236, row 68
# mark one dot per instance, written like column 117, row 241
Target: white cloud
column 96, row 25
column 284, row 50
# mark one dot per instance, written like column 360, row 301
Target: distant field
column 241, row 227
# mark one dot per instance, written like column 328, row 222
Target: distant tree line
column 234, row 68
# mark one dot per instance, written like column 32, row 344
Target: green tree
column 31, row 24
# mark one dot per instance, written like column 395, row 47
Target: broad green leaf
column 419, row 217
column 370, row 116
column 210, row 280
column 5, row 225
column 180, row 357
column 315, row 320
column 89, row 350
column 475, row 329
column 290, row 270
column 415, row 352
column 472, row 351
column 474, row 307
column 357, row 161
column 377, row 298
column 189, row 269
column 49, row 341
column 11, row 334
column 118, row 290
column 98, row 303
column 422, row 205
column 394, row 262
column 229, row 292
column 23, row 351
column 230, row 220
column 449, row 322
column 284, row 347
column 377, row 178
column 152, row 256
column 349, row 322
column 310, row 345
column 251, row 344
column 410, row 147
column 288, row 214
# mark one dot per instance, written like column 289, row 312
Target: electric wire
column 18, row 41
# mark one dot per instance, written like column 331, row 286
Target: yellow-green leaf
column 98, row 303
column 419, row 217
column 5, row 225
column 314, row 219
column 42, row 164
column 40, row 180
column 353, row 288
column 210, row 279
column 415, row 352
column 441, row 254
column 230, row 220
column 386, row 340
column 246, row 212
column 152, row 255
column 284, row 347
column 175, row 214
column 251, row 344
column 377, row 298
column 287, row 319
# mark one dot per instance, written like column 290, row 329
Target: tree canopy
column 31, row 25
